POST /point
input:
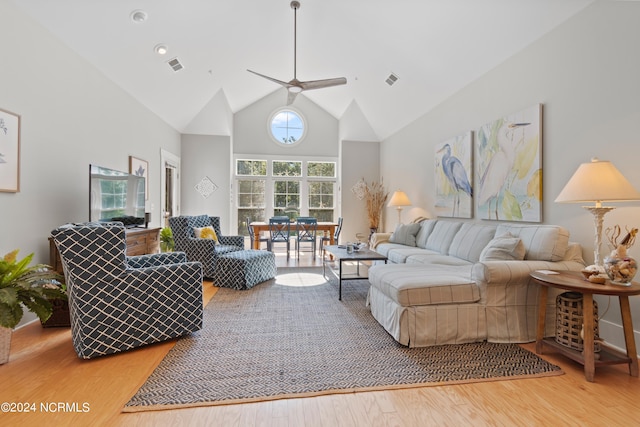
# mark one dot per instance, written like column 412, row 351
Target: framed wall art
column 140, row 167
column 9, row 152
column 453, row 177
column 509, row 167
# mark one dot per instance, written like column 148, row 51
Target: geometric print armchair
column 206, row 251
column 118, row 303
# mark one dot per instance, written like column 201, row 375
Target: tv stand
column 140, row 241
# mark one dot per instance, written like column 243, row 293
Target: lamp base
column 598, row 213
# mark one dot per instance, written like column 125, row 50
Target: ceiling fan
column 295, row 86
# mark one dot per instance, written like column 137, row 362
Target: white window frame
column 270, row 180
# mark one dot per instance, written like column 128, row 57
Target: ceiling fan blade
column 291, row 96
column 319, row 84
column 280, row 82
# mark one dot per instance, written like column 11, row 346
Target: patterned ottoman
column 244, row 269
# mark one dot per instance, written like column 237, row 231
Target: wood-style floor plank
column 44, row 369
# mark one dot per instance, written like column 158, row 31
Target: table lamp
column 598, row 181
column 399, row 199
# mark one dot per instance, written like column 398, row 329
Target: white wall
column 71, row 116
column 251, row 128
column 586, row 73
column 207, row 156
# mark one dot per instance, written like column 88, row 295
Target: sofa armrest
column 377, row 238
column 513, row 272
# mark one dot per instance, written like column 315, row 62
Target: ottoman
column 244, row 269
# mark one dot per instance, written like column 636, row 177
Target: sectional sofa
column 451, row 281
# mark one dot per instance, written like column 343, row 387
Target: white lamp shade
column 399, row 198
column 597, row 181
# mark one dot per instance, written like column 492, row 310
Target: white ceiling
column 436, row 47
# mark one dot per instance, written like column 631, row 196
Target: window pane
column 251, row 193
column 251, row 167
column 287, row 168
column 325, row 169
column 253, row 214
column 287, row 127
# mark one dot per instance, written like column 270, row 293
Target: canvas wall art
column 9, row 152
column 509, row 167
column 453, row 177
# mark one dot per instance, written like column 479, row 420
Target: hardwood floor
column 43, row 370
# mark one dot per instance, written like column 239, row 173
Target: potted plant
column 166, row 240
column 21, row 285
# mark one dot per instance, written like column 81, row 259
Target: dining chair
column 325, row 240
column 307, row 229
column 262, row 239
column 280, row 231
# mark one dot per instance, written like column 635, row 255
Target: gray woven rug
column 291, row 337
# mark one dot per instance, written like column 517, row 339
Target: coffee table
column 341, row 256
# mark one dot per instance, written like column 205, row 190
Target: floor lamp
column 398, row 200
column 598, row 181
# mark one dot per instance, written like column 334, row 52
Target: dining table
column 324, row 228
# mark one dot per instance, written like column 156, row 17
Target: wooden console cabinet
column 140, row 241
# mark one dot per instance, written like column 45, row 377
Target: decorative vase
column 5, row 344
column 620, row 267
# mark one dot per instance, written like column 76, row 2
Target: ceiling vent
column 391, row 79
column 175, row 64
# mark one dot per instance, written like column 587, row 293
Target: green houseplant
column 22, row 285
column 166, row 240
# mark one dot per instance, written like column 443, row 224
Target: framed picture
column 9, row 152
column 509, row 167
column 140, row 167
column 453, row 177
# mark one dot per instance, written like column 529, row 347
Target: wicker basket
column 569, row 321
column 60, row 315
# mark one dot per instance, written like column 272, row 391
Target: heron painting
column 454, row 191
column 509, row 168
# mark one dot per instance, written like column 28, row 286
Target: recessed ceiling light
column 161, row 49
column 138, row 16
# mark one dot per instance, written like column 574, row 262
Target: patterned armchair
column 205, row 251
column 118, row 303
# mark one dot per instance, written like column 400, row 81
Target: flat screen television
column 116, row 196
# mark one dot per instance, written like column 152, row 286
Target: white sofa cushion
column 542, row 242
column 402, row 255
column 470, row 240
column 426, row 227
column 415, row 285
column 443, row 233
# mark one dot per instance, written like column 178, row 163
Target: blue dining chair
column 280, row 231
column 307, row 229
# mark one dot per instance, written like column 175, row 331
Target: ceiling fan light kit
column 295, row 86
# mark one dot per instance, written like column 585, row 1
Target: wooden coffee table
column 341, row 255
column 574, row 281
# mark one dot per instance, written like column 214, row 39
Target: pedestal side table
column 574, row 281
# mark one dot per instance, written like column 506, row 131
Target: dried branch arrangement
column 375, row 196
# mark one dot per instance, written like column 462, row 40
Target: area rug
column 291, row 337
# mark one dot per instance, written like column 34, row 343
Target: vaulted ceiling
column 434, row 47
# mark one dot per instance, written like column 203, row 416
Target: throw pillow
column 405, row 234
column 504, row 248
column 206, row 233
